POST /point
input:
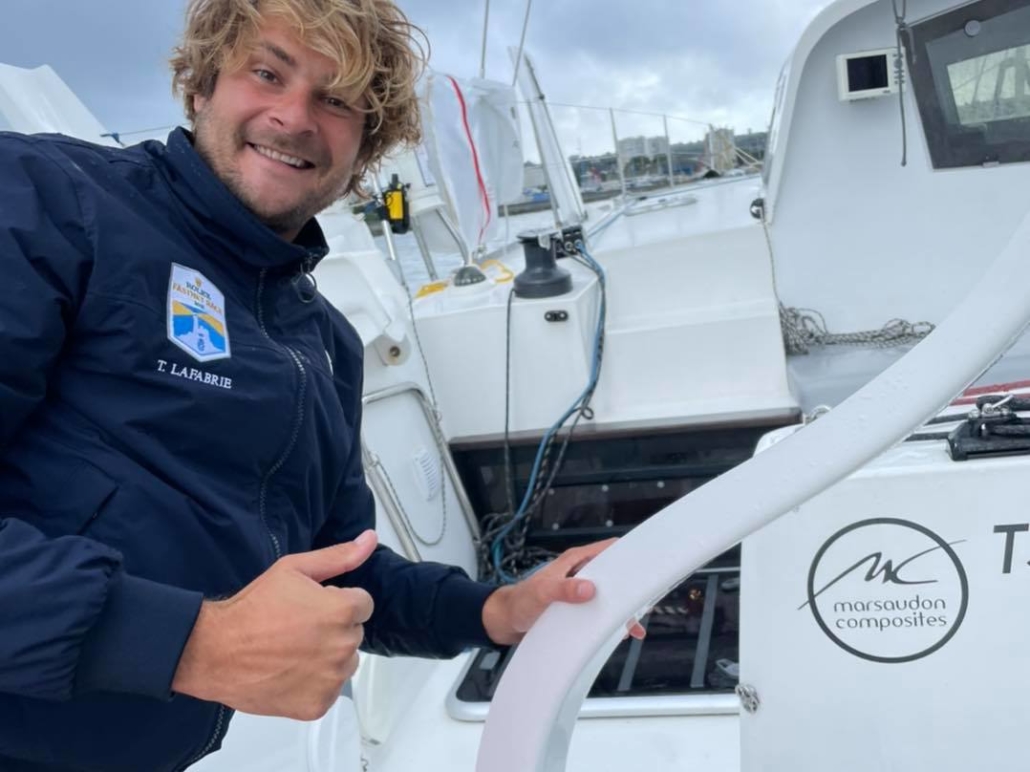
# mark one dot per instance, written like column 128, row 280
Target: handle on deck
column 534, row 710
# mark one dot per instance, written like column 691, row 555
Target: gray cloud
column 713, row 62
column 112, row 53
column 705, row 60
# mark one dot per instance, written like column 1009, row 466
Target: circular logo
column 888, row 590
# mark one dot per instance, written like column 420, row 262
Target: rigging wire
column 623, row 110
column 509, row 475
column 522, row 43
column 117, row 135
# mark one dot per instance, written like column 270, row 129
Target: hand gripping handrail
column 534, row 710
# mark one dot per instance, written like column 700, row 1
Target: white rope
column 804, row 328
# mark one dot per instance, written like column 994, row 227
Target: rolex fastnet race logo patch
column 196, row 315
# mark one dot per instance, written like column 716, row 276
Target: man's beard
column 280, row 221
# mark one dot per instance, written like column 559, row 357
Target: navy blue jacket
column 178, row 409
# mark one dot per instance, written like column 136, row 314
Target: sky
column 696, row 61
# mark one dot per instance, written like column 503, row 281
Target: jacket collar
column 219, row 215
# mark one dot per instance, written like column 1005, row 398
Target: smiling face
column 276, row 135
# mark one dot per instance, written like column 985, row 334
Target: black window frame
column 950, row 144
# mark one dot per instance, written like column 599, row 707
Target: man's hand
column 284, row 645
column 511, row 611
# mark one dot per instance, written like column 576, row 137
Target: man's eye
column 266, row 75
column 336, row 103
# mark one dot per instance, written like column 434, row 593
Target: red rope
column 483, row 195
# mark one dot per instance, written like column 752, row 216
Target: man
column 179, row 411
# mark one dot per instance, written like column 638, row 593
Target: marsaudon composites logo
column 196, row 315
column 888, row 590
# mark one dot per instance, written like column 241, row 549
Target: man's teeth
column 275, row 155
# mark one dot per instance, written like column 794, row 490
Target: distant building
column 688, row 158
column 649, row 147
column 631, row 147
column 722, row 150
column 657, row 146
column 533, row 176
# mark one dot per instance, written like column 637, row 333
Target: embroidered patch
column 196, row 315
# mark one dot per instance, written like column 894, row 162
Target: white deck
column 703, row 208
column 692, row 334
column 426, row 735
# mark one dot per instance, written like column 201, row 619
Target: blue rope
column 581, row 403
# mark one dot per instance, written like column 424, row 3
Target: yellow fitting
column 431, row 288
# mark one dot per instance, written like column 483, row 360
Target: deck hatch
column 688, row 663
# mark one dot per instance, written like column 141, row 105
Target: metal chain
column 804, row 328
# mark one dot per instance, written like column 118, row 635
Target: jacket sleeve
column 421, row 609
column 71, row 618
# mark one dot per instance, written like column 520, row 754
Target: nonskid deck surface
column 688, row 212
column 427, row 739
column 828, row 375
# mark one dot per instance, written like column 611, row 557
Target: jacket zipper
column 297, row 420
column 263, row 495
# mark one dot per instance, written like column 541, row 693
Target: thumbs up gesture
column 284, row 645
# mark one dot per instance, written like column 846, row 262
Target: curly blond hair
column 379, row 52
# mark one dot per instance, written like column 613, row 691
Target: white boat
column 871, row 617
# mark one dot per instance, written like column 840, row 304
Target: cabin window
column 970, row 69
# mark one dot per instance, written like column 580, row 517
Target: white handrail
column 533, row 713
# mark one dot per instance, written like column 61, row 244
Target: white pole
column 486, row 27
column 522, row 43
column 711, row 148
column 534, row 711
column 391, row 250
column 618, row 154
column 668, row 151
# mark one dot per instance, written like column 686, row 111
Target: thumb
column 323, row 564
column 575, row 591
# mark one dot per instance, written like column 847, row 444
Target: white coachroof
column 38, row 101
